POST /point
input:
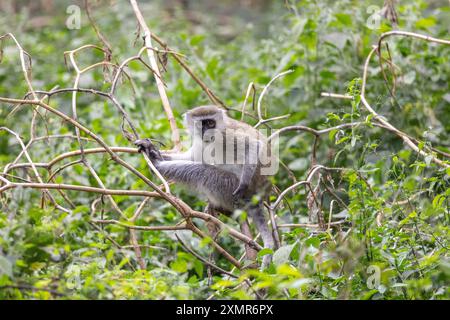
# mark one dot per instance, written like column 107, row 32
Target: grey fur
column 226, row 186
column 215, row 184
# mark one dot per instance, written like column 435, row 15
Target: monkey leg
column 257, row 214
column 214, row 231
column 250, row 253
column 213, row 228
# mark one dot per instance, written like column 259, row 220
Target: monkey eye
column 209, row 124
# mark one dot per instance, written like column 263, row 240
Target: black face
column 208, row 124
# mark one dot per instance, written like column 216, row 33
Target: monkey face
column 206, row 129
column 201, row 119
column 208, row 125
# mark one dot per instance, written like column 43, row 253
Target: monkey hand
column 239, row 195
column 146, row 146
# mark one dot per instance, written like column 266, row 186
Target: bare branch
column 157, row 73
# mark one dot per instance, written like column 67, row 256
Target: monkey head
column 205, row 122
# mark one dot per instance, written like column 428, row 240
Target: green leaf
column 426, row 23
column 344, row 18
column 5, row 267
column 313, row 241
column 332, row 134
column 198, row 267
column 179, row 265
column 264, row 252
column 282, row 254
column 447, row 171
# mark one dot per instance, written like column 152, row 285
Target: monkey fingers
column 146, row 145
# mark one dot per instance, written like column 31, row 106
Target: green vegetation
column 390, row 204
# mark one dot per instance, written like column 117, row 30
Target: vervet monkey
column 224, row 164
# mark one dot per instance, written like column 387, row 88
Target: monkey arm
column 248, row 172
column 169, row 156
column 214, row 183
column 249, row 167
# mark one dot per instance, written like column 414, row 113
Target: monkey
column 223, row 164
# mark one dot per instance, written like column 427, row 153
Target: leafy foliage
column 46, row 253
